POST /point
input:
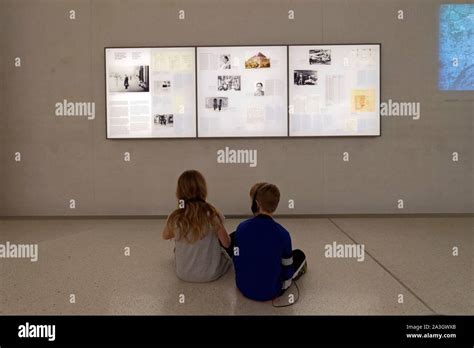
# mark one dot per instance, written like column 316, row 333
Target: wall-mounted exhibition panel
column 151, row 92
column 242, row 91
column 334, row 90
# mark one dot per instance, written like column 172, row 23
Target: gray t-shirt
column 202, row 261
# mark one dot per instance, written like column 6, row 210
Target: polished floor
column 408, row 268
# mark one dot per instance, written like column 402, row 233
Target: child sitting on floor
column 265, row 263
column 198, row 230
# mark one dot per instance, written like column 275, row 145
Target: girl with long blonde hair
column 198, row 230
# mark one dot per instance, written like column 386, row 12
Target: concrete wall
column 67, row 158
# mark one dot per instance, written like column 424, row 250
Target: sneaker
column 302, row 270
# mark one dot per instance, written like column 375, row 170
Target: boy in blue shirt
column 264, row 261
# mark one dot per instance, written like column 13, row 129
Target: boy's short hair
column 268, row 197
column 255, row 187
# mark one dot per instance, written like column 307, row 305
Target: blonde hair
column 193, row 220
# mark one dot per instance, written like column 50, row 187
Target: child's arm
column 167, row 233
column 223, row 236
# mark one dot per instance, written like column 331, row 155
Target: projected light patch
column 456, row 47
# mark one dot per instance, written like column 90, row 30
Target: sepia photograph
column 258, row 61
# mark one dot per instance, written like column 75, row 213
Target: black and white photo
column 320, row 56
column 129, row 78
column 305, row 77
column 228, row 83
column 163, row 120
column 259, row 92
column 162, row 87
column 225, row 61
column 217, row 103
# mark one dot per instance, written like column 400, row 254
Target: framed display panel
column 150, row 92
column 334, row 90
column 242, row 91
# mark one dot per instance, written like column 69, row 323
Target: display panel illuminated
column 334, row 90
column 242, row 91
column 151, row 92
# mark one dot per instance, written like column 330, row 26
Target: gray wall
column 64, row 158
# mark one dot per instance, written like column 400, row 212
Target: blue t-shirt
column 264, row 264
